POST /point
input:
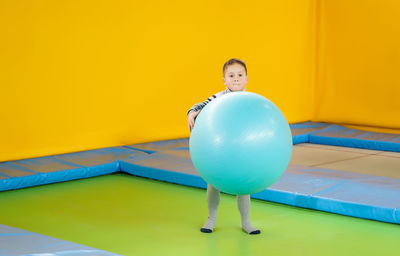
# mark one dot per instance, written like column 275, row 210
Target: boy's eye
column 230, row 75
column 240, row 74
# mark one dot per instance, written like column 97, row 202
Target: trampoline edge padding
column 57, row 176
column 51, row 169
column 280, row 193
column 170, row 161
column 355, row 143
column 337, row 135
column 163, row 175
column 352, row 209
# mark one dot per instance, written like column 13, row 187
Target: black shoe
column 255, row 232
column 206, row 230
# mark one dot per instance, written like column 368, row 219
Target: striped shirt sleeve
column 201, row 105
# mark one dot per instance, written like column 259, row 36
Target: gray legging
column 213, row 198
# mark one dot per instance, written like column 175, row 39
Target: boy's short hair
column 231, row 62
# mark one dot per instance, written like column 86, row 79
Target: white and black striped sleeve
column 200, row 106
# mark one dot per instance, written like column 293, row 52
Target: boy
column 235, row 78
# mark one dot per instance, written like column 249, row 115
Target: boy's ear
column 223, row 80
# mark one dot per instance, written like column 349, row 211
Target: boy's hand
column 191, row 118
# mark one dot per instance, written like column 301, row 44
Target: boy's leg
column 244, row 209
column 213, row 202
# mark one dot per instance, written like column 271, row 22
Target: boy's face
column 235, row 77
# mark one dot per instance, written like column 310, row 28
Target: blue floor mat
column 337, row 135
column 18, row 242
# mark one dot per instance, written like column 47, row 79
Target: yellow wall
column 78, row 75
column 358, row 63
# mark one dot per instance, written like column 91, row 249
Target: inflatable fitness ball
column 241, row 143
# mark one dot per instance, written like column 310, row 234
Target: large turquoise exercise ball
column 241, row 143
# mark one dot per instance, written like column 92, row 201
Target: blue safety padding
column 173, row 166
column 56, row 176
column 59, row 168
column 163, row 175
column 300, row 134
column 396, row 140
column 302, row 186
column 302, row 138
column 15, row 241
column 153, row 147
column 346, row 193
column 374, row 198
column 10, row 169
column 301, row 131
column 46, row 164
column 335, row 191
column 308, row 124
column 99, row 157
column 337, row 135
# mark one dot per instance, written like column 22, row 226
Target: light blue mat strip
column 18, row 242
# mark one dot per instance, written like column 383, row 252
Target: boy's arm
column 195, row 110
column 200, row 106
